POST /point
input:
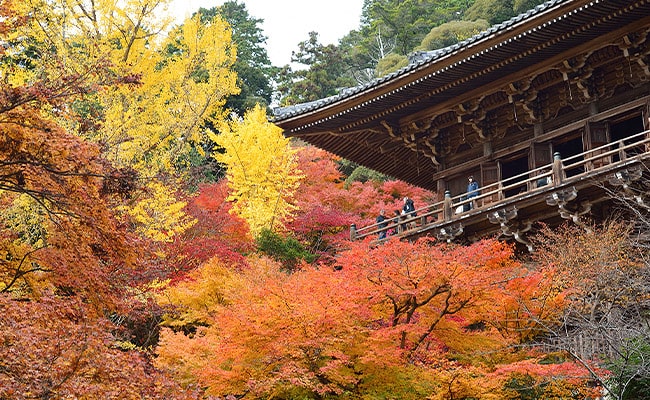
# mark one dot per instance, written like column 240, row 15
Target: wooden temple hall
column 549, row 111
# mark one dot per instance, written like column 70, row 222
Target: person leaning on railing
column 382, row 224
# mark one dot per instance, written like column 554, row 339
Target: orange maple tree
column 402, row 315
column 68, row 267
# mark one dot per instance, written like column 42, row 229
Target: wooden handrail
column 528, row 182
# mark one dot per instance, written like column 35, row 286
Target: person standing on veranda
column 472, row 191
column 409, row 210
column 382, row 224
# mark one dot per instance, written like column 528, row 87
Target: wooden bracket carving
column 577, row 71
column 419, row 137
column 624, row 179
column 476, row 114
column 390, row 129
column 562, row 199
column 521, row 93
column 505, row 218
column 449, row 233
column 636, row 48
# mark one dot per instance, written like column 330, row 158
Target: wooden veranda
column 566, row 189
column 549, row 111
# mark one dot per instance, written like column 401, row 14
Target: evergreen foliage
column 287, row 251
column 451, row 33
column 253, row 66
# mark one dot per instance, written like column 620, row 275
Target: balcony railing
column 539, row 180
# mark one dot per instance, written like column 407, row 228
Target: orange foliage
column 67, row 262
column 271, row 329
column 54, row 348
column 417, row 286
column 423, row 309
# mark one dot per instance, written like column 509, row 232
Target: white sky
column 288, row 22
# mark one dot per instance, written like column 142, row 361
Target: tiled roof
column 416, row 60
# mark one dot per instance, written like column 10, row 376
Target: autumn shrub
column 604, row 324
column 285, row 250
column 55, row 348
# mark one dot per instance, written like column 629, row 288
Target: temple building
column 548, row 111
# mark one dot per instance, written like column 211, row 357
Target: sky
column 288, row 22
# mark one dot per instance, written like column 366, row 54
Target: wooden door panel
column 490, row 173
column 598, row 136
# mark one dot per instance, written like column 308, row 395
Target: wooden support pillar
column 448, row 206
column 558, row 169
column 621, row 151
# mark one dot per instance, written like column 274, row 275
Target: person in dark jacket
column 472, row 191
column 409, row 207
column 382, row 224
column 408, row 211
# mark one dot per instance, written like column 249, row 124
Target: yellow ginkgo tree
column 154, row 125
column 149, row 114
column 262, row 170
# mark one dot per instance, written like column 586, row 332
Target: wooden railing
column 559, row 172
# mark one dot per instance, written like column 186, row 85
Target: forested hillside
column 161, row 239
column 389, row 31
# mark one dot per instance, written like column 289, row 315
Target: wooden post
column 558, row 172
column 621, row 151
column 447, row 206
column 353, row 232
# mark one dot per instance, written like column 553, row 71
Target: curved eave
column 555, row 27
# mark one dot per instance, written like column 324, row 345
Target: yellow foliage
column 179, row 79
column 27, row 218
column 159, row 216
column 153, row 126
column 262, row 172
column 169, row 84
column 205, row 290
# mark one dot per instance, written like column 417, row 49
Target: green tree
column 406, row 22
column 497, row 11
column 391, row 63
column 253, row 66
column 325, row 75
column 521, row 6
column 361, row 60
column 451, row 33
column 494, row 11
